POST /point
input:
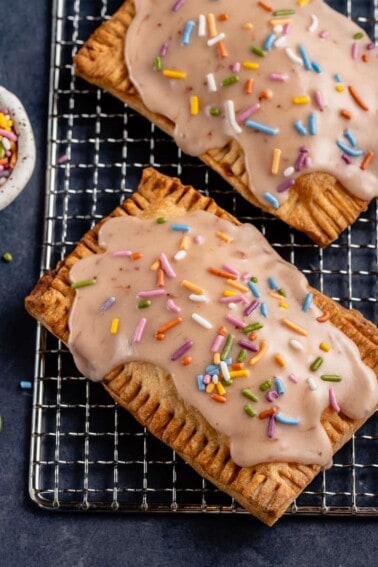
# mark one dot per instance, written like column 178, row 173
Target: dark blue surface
column 29, row 536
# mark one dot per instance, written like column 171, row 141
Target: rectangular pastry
column 197, row 327
column 256, row 96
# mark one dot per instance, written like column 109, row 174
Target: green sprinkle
column 317, row 363
column 331, row 377
column 247, row 393
column 157, row 63
column 227, row 347
column 358, row 35
column 249, row 410
column 242, row 355
column 214, row 111
column 161, row 220
column 264, row 386
column 143, row 303
column 252, row 327
column 83, row 283
column 228, row 382
column 258, row 51
column 282, row 292
column 280, row 13
column 231, row 80
column 7, row 257
column 254, row 279
column 2, row 151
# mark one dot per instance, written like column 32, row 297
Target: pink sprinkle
column 231, row 270
column 286, row 29
column 177, row 5
column 237, row 322
column 236, row 67
column 319, row 99
column 166, row 266
column 246, row 276
column 271, row 426
column 278, row 77
column 332, row 400
column 199, row 239
column 308, row 161
column 233, row 299
column 207, row 379
column 242, row 116
column 218, row 341
column 354, row 50
column 63, row 158
column 370, row 46
column 171, row 306
column 1, row 167
column 10, row 135
column 346, row 158
column 164, row 49
column 152, row 293
column 324, row 34
column 121, row 253
column 293, row 378
column 139, row 330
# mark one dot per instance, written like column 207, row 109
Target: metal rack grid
column 86, row 453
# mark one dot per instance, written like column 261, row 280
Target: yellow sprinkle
column 114, row 326
column 155, row 266
column 301, row 99
column 247, row 26
column 229, row 293
column 194, row 105
column 325, row 347
column 284, row 305
column 212, row 25
column 184, row 244
column 275, row 295
column 263, row 348
column 302, row 2
column 294, row 327
column 340, row 88
column 171, row 74
column 239, row 373
column 223, row 236
column 220, row 388
column 192, row 287
column 276, row 160
column 210, row 388
column 237, row 285
column 250, row 65
column 280, row 360
column 280, row 21
column 216, row 358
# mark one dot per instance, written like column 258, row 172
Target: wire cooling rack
column 86, row 453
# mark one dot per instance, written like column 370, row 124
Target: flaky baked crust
column 148, row 392
column 318, row 204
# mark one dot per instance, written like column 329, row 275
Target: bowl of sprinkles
column 17, row 147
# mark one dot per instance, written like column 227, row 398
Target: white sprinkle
column 214, row 379
column 312, row 384
column 6, row 143
column 280, row 41
column 201, row 321
column 211, row 83
column 180, row 255
column 224, row 369
column 232, row 306
column 212, row 41
column 289, row 171
column 296, row 345
column 230, row 111
column 314, row 23
column 201, row 25
column 200, row 298
column 278, row 28
column 290, row 53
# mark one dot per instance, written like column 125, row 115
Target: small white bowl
column 25, row 151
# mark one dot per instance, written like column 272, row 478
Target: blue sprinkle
column 316, row 67
column 271, row 200
column 228, row 361
column 286, row 420
column 212, row 369
column 273, row 283
column 25, row 385
column 307, row 302
column 264, row 309
column 300, row 128
column 351, row 139
column 254, row 289
column 312, row 124
column 189, row 27
column 338, row 79
column 305, row 57
column 279, row 386
column 200, row 383
column 269, row 41
column 260, row 127
column 349, row 151
column 180, row 227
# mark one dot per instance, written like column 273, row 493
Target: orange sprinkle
column 222, row 331
column 238, row 286
column 237, row 366
column 160, row 277
column 155, row 266
column 365, row 58
column 323, row 318
column 266, row 95
column 3, row 161
column 247, row 26
column 160, row 336
column 222, row 49
column 194, row 288
column 219, row 398
column 294, row 327
column 280, row 22
column 186, row 360
column 184, row 244
column 222, row 274
column 212, row 25
column 367, row 159
column 216, row 358
column 345, row 114
column 169, row 325
column 136, row 256
column 223, row 236
column 263, row 348
column 248, row 86
column 252, row 336
column 210, row 388
column 275, row 295
column 267, row 413
column 357, row 98
column 266, row 7
column 223, row 17
column 280, row 360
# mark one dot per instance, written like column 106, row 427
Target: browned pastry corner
column 318, row 204
column 148, row 393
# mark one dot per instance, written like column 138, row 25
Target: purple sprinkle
column 177, row 5
column 271, row 426
column 107, row 303
column 285, row 185
column 370, row 46
column 251, row 307
column 182, row 350
column 248, row 345
column 346, row 158
column 271, row 395
column 164, row 49
column 300, row 161
column 5, row 173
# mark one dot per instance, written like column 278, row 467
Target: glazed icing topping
column 295, row 87
column 233, row 324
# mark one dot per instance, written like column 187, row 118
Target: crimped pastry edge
column 318, row 204
column 148, row 393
